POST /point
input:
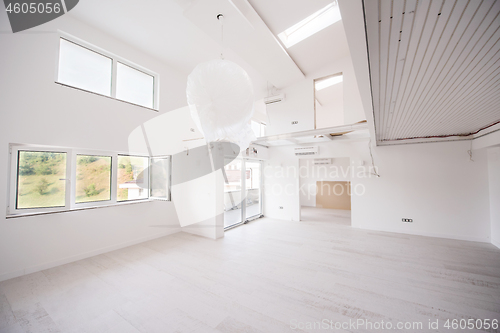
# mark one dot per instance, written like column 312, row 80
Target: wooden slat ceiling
column 434, row 66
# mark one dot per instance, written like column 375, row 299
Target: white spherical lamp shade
column 220, row 97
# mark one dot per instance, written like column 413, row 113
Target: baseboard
column 67, row 260
column 495, row 242
column 428, row 234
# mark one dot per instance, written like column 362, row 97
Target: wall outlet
column 281, row 207
column 295, row 122
column 407, row 220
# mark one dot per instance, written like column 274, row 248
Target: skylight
column 310, row 25
column 328, row 82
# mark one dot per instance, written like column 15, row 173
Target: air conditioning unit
column 274, row 99
column 299, row 151
column 322, row 161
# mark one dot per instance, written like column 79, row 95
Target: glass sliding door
column 232, row 193
column 242, row 191
column 253, row 188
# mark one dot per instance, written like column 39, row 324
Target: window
column 160, row 177
column 310, row 25
column 87, row 67
column 134, row 86
column 259, row 129
column 83, row 68
column 40, row 181
column 93, row 178
column 329, row 81
column 133, row 181
column 48, row 179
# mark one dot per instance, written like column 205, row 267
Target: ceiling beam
column 246, row 34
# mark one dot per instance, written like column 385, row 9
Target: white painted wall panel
column 435, row 184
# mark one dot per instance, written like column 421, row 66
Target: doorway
column 242, row 191
column 325, row 190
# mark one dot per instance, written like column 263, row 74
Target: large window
column 160, row 177
column 134, row 86
column 39, row 181
column 87, row 67
column 47, row 179
column 133, row 180
column 83, row 68
column 93, row 178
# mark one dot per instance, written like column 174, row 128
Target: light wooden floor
column 262, row 277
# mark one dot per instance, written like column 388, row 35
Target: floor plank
column 266, row 276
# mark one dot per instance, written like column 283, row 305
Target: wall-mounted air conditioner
column 274, row 99
column 322, row 161
column 312, row 150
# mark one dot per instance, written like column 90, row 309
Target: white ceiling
column 434, row 66
column 248, row 36
column 174, row 32
column 315, row 52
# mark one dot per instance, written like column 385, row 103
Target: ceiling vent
column 274, row 99
column 306, row 151
column 322, row 161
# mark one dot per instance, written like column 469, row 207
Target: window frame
column 74, row 155
column 139, row 70
column 70, row 179
column 14, row 178
column 262, row 127
column 169, row 188
column 148, row 178
column 115, row 59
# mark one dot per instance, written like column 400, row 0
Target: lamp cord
column 220, row 17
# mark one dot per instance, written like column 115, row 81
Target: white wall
column 299, row 103
column 435, row 184
column 298, row 106
column 309, row 174
column 494, row 186
column 35, row 110
column 281, row 184
column 329, row 105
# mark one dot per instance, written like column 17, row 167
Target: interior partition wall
column 242, row 191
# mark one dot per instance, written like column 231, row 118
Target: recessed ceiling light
column 328, row 82
column 311, row 25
